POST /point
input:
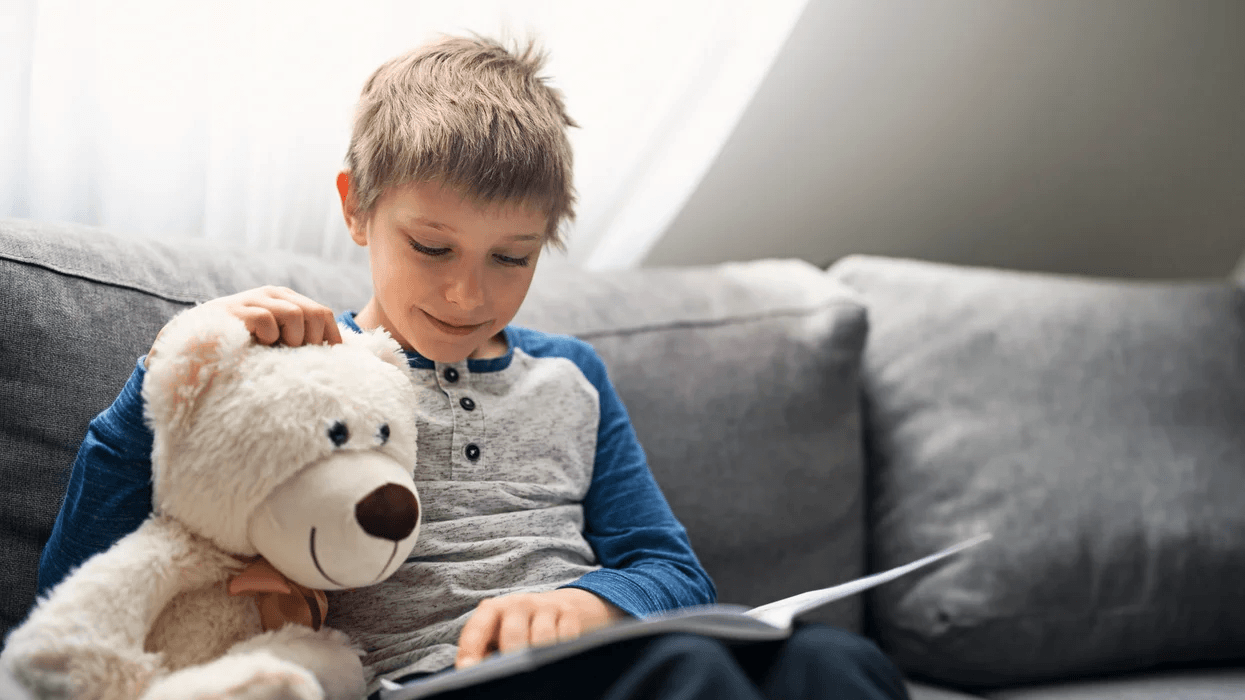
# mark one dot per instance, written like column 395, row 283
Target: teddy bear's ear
column 192, row 350
column 379, row 343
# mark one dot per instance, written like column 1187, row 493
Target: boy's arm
column 649, row 565
column 109, row 490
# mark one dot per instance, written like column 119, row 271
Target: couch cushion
column 741, row 381
column 1216, row 684
column 1097, row 428
column 922, row 691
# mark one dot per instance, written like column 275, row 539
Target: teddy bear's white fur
column 303, row 456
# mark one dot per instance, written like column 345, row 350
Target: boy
column 541, row 517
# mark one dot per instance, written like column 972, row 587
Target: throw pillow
column 1096, row 427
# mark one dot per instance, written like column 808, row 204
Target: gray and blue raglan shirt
column 530, row 475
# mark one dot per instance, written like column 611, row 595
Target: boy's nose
column 465, row 291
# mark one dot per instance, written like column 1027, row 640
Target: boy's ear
column 354, row 222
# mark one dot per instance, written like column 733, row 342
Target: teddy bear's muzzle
column 349, row 520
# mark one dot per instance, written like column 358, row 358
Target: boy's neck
column 495, row 347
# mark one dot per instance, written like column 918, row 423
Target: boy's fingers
column 287, row 315
column 275, row 314
column 318, row 320
column 290, row 317
column 261, row 323
column 478, row 634
column 568, row 627
column 332, row 334
column 328, row 326
column 319, row 326
column 289, row 295
column 544, row 628
column 313, row 328
column 515, row 632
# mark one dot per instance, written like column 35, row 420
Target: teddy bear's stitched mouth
column 311, row 544
column 315, row 560
column 389, row 561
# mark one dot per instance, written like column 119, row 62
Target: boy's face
column 447, row 274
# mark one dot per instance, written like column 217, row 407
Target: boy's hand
column 275, row 314
column 517, row 621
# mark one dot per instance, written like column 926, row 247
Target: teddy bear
column 277, row 473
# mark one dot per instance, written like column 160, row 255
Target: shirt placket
column 468, row 451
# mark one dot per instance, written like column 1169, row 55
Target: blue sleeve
column 649, row 565
column 109, row 491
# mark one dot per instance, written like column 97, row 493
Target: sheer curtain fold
column 228, row 120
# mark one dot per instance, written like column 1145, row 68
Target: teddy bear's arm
column 99, row 616
column 292, row 663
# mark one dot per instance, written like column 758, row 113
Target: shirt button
column 451, row 375
column 472, row 451
column 467, row 403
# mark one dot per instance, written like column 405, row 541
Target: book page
column 782, row 613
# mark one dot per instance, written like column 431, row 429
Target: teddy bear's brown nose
column 390, row 512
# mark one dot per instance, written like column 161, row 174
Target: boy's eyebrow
column 425, row 221
column 438, row 226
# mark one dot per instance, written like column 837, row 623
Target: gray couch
column 807, row 427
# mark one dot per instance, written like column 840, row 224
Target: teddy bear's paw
column 327, row 653
column 276, row 685
column 45, row 675
column 257, row 676
column 86, row 673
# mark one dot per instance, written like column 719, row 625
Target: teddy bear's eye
column 338, row 433
column 383, row 433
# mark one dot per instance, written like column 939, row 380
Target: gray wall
column 1082, row 136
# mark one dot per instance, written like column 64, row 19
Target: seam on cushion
column 963, row 620
column 709, row 323
column 635, row 330
column 90, row 278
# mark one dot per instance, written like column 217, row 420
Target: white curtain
column 227, row 120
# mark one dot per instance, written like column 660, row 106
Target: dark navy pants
column 817, row 661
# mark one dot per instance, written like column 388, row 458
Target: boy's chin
column 449, row 350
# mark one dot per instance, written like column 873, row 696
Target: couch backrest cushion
column 1097, row 428
column 742, row 383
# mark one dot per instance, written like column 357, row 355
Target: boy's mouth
column 451, row 328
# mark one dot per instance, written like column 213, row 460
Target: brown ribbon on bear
column 279, row 599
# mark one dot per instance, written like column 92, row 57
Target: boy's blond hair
column 470, row 113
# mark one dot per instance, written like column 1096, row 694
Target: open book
column 729, row 622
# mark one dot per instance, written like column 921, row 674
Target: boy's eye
column 438, row 252
column 433, row 252
column 514, row 262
